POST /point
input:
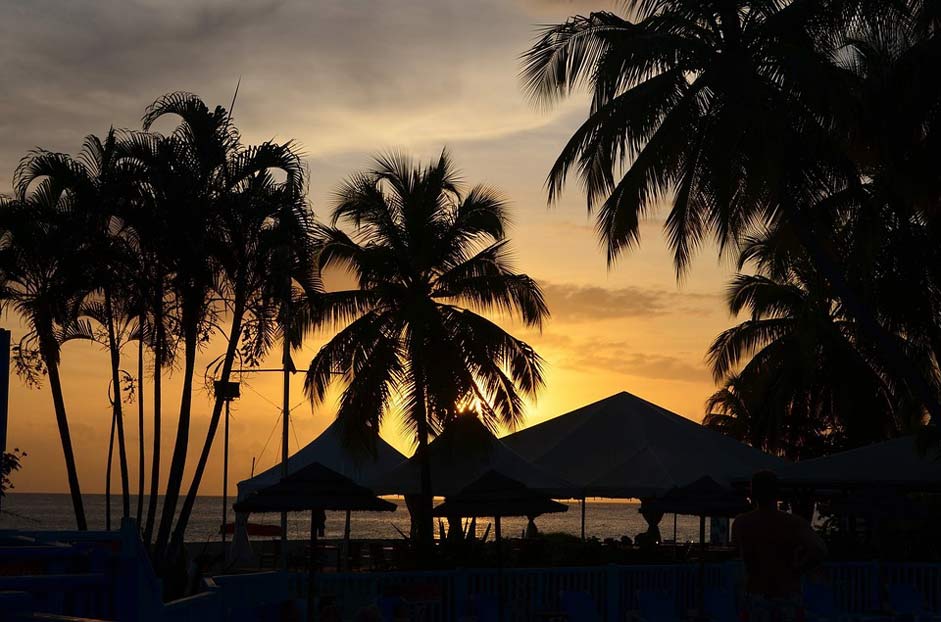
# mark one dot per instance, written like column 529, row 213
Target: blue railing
column 448, row 595
column 107, row 576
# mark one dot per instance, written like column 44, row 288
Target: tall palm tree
column 183, row 176
column 148, row 231
column 43, row 281
column 95, row 185
column 258, row 218
column 734, row 111
column 428, row 257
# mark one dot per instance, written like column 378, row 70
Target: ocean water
column 603, row 518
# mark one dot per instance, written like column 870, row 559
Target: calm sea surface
column 604, row 519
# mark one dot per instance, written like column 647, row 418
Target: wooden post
column 583, row 519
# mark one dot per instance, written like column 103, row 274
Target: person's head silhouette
column 764, row 489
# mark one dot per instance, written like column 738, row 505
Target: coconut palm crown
column 428, row 259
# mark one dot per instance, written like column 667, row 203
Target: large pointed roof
column 624, row 446
column 463, row 453
column 328, row 449
column 896, row 463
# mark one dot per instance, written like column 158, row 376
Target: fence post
column 127, row 584
column 875, row 592
column 612, row 594
column 459, row 601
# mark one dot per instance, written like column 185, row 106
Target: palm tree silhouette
column 184, row 173
column 259, row 219
column 43, row 280
column 96, row 184
column 427, row 257
column 147, row 164
column 810, row 381
column 735, row 113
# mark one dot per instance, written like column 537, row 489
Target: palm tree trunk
column 235, row 331
column 51, row 359
column 190, row 323
column 108, row 476
column 425, row 531
column 140, row 422
column 158, row 393
column 115, row 351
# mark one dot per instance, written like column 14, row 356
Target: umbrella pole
column 499, row 541
column 675, row 547
column 702, row 566
column 285, row 427
column 312, row 568
column 225, row 478
column 583, row 519
column 346, row 542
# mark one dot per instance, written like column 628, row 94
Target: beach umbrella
column 703, row 497
column 329, row 450
column 496, row 495
column 316, row 488
column 463, row 453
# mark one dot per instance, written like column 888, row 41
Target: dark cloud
column 340, row 75
column 584, row 303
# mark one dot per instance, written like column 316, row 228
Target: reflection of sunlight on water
column 604, row 519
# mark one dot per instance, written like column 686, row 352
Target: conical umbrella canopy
column 495, row 495
column 704, row 497
column 314, row 487
column 624, row 446
column 460, row 455
column 329, row 450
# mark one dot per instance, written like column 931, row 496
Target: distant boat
column 254, row 529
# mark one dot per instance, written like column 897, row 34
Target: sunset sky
column 347, row 79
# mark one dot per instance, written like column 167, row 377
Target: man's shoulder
column 745, row 517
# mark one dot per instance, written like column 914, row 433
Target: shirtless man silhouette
column 777, row 548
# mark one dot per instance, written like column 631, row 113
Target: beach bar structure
column 900, row 464
column 626, row 447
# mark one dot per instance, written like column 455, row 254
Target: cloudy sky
column 346, row 79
